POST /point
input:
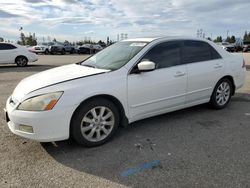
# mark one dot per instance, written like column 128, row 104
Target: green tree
column 245, row 36
column 22, row 37
column 1, row 39
column 218, row 39
column 232, row 39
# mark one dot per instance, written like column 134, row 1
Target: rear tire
column 222, row 94
column 94, row 122
column 21, row 61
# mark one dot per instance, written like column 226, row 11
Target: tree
column 30, row 40
column 246, row 37
column 1, row 39
column 101, row 43
column 228, row 39
column 218, row 39
column 22, row 37
column 232, row 40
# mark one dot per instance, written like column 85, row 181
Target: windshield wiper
column 88, row 65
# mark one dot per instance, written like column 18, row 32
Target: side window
column 215, row 54
column 4, row 46
column 165, row 54
column 196, row 51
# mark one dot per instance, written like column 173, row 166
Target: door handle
column 218, row 65
column 179, row 73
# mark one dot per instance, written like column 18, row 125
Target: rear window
column 197, row 51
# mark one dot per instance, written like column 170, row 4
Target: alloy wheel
column 223, row 93
column 97, row 123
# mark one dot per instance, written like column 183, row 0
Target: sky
column 74, row 20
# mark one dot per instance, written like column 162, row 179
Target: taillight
column 244, row 64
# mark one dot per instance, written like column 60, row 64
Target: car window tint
column 215, row 54
column 165, row 54
column 196, row 51
column 4, row 46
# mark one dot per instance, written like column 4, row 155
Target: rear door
column 204, row 67
column 7, row 53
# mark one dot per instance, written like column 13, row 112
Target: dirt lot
column 195, row 147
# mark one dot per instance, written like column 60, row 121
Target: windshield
column 114, row 56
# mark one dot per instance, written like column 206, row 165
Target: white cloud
column 137, row 18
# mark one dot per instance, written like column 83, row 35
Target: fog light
column 26, row 128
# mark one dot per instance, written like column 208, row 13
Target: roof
column 150, row 39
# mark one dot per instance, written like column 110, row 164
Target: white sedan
column 128, row 81
column 16, row 54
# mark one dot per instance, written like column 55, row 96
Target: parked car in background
column 131, row 80
column 61, row 48
column 97, row 48
column 41, row 48
column 16, row 54
column 246, row 46
column 227, row 46
column 85, row 49
column 89, row 48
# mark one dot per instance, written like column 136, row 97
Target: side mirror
column 146, row 66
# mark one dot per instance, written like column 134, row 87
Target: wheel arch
column 122, row 114
column 229, row 77
column 21, row 56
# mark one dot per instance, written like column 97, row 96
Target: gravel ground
column 194, row 147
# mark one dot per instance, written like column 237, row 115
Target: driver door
column 160, row 90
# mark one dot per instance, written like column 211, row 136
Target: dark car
column 227, row 46
column 246, row 46
column 61, row 48
column 85, row 49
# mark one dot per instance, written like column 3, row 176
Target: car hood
column 53, row 76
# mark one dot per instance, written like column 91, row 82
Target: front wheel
column 222, row 94
column 95, row 122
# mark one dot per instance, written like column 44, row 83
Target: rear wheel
column 95, row 122
column 21, row 61
column 222, row 94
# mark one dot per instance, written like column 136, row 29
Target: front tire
column 222, row 94
column 94, row 122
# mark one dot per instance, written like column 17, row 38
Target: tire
column 222, row 94
column 63, row 52
column 89, row 131
column 46, row 51
column 21, row 61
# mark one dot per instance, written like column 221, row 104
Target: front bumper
column 48, row 126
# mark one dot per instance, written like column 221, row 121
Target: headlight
column 41, row 102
